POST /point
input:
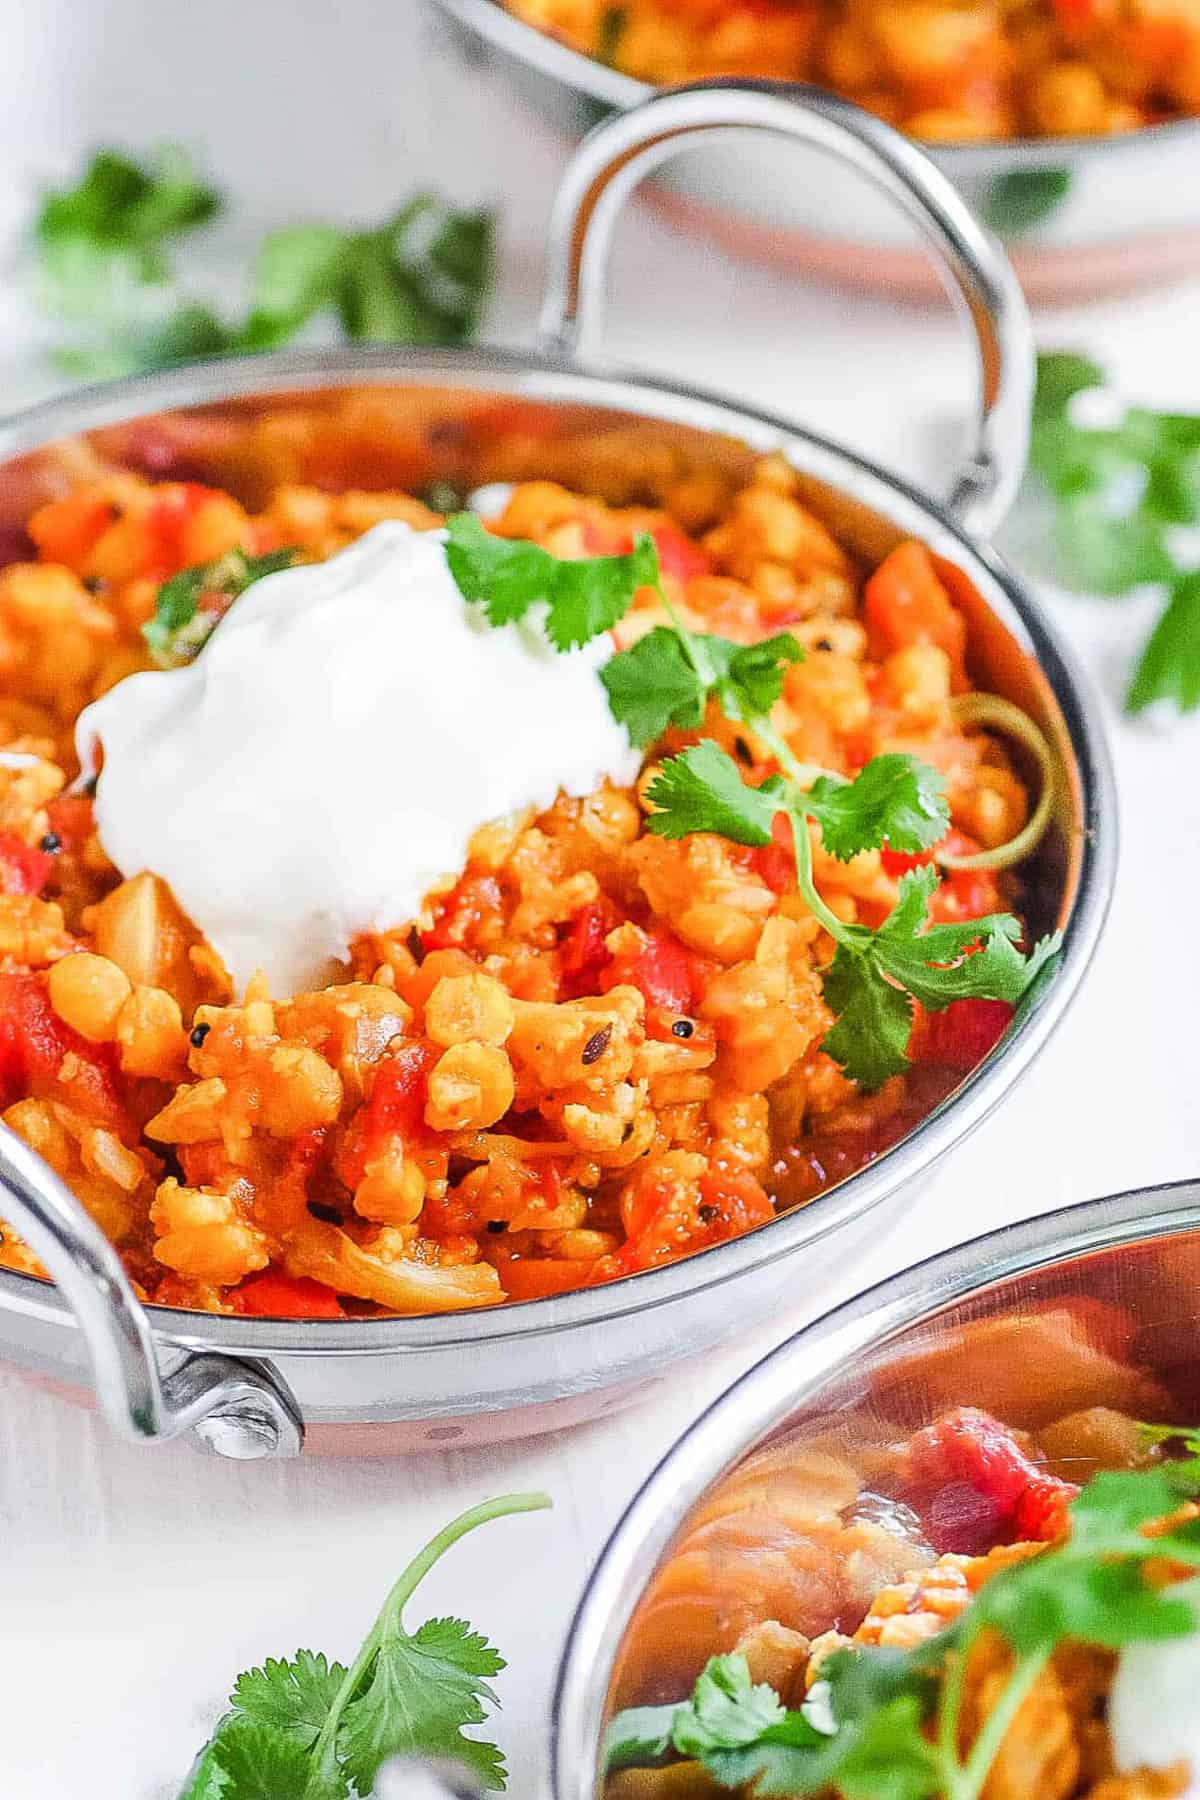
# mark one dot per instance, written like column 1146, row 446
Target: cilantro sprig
column 668, row 678
column 883, row 1724
column 181, row 626
column 508, row 576
column 418, row 277
column 1121, row 491
column 316, row 1730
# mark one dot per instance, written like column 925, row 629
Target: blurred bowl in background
column 1093, row 1306
column 1079, row 217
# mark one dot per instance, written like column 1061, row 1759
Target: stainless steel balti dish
column 250, row 1387
column 1079, row 216
column 1093, row 1306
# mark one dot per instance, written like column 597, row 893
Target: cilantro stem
column 806, row 883
column 968, row 1783
column 804, row 774
column 388, row 1622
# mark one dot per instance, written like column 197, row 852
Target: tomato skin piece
column 678, row 556
column 905, row 602
column 471, row 898
column 399, row 1093
column 663, row 971
column 272, row 1295
column 974, row 1486
column 776, row 861
column 583, row 956
column 175, row 505
column 34, row 1042
column 961, row 1035
column 23, row 870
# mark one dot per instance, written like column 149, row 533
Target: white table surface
column 137, row 1583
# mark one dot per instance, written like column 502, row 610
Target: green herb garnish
column 316, row 1730
column 507, row 576
column 419, row 278
column 668, row 679
column 1120, row 492
column 180, row 627
column 884, row 1724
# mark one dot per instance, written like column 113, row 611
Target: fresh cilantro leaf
column 1024, row 197
column 507, row 576
column 1121, row 490
column 250, row 1761
column 1061, row 374
column 180, row 628
column 874, row 1019
column 637, row 1738
column 1066, row 1595
column 293, row 1697
column 115, row 221
column 702, row 790
column 875, row 976
column 652, row 686
column 420, row 277
column 893, row 800
column 423, row 1691
column 726, row 1710
column 750, row 676
column 295, row 277
column 666, row 679
column 1117, row 1503
column 310, row 1730
column 1169, row 668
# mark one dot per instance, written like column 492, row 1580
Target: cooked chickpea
column 87, row 992
column 468, row 1008
column 301, row 1091
column 150, row 1034
column 471, row 1086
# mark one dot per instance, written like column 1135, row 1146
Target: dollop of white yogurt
column 1154, row 1703
column 326, row 758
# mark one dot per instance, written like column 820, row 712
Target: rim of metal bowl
column 489, row 20
column 774, row 1388
column 557, row 379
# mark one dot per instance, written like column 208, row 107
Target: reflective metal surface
column 379, row 417
column 616, row 156
column 1128, row 205
column 1097, row 1305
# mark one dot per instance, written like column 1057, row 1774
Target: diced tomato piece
column 905, row 602
column 663, row 970
column 961, row 1035
column 34, row 1042
column 400, row 1091
column 23, row 870
column 175, row 505
column 472, row 898
column 72, row 820
column 678, row 556
column 583, row 956
column 973, row 1486
column 272, row 1295
column 731, row 1202
column 776, row 861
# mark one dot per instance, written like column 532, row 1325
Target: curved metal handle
column 617, row 154
column 234, row 1409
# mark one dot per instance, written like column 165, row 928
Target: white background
column 136, row 1584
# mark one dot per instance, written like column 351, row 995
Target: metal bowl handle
column 234, row 1408
column 615, row 156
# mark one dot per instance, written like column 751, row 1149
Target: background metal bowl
column 1079, row 216
column 1092, row 1306
column 382, row 418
